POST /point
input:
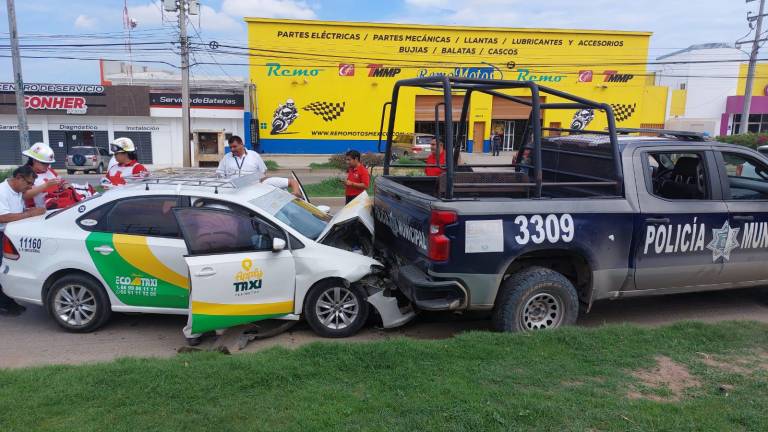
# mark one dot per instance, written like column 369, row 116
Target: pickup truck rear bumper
column 429, row 294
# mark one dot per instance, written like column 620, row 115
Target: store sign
column 210, row 101
column 527, row 75
column 378, row 71
column 277, row 70
column 71, row 104
column 79, row 127
column 38, row 88
column 490, row 72
column 613, row 76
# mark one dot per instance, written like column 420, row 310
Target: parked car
column 87, row 158
column 247, row 250
column 574, row 219
column 412, row 146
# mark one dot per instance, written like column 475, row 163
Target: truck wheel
column 536, row 298
column 334, row 310
column 78, row 304
column 70, row 172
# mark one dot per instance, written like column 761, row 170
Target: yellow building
column 339, row 74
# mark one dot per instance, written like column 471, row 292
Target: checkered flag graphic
column 623, row 111
column 328, row 111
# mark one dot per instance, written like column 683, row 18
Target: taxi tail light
column 439, row 245
column 9, row 250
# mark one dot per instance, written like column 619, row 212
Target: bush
column 751, row 140
column 339, row 161
column 4, row 174
column 271, row 165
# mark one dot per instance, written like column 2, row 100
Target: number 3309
column 549, row 228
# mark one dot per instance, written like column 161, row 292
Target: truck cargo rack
column 529, row 158
column 684, row 135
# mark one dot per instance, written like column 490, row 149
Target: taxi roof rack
column 199, row 177
column 686, row 135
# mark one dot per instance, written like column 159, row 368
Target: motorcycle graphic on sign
column 284, row 116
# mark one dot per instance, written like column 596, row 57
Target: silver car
column 87, row 158
column 412, row 146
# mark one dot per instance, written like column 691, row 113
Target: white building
column 699, row 85
column 219, row 109
column 144, row 106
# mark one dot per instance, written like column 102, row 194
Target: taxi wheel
column 334, row 310
column 78, row 303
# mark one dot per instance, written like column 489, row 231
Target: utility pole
column 19, row 83
column 186, row 154
column 751, row 70
column 184, row 7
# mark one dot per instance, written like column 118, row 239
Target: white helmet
column 122, row 145
column 41, row 152
column 289, row 102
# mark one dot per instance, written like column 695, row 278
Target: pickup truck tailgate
column 401, row 220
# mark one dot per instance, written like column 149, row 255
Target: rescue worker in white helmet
column 127, row 166
column 40, row 157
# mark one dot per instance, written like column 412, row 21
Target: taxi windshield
column 296, row 213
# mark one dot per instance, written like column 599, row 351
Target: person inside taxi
column 127, row 167
column 12, row 209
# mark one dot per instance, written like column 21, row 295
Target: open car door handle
column 104, row 249
column 207, row 271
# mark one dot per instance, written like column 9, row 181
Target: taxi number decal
column 30, row 244
column 541, row 228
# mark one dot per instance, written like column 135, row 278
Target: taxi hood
column 358, row 210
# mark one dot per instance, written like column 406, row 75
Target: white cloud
column 295, row 9
column 148, row 15
column 85, row 22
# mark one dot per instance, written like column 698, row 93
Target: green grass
column 331, row 187
column 271, row 165
column 408, row 161
column 574, row 379
column 323, row 166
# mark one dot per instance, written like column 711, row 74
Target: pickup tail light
column 415, row 149
column 9, row 250
column 91, row 157
column 439, row 245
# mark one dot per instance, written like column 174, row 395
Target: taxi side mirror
column 278, row 244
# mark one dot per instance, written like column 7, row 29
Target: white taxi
column 248, row 251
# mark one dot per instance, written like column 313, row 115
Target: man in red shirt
column 358, row 179
column 431, row 160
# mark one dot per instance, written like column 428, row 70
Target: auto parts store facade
column 68, row 115
column 339, row 74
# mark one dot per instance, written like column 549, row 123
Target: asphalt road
column 33, row 338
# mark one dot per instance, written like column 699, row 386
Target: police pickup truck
column 579, row 216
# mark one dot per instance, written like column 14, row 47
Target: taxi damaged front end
column 352, row 230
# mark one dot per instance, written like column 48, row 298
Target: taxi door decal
column 133, row 284
column 213, row 316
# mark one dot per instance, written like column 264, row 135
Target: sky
column 675, row 25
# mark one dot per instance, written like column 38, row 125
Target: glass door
column 509, row 136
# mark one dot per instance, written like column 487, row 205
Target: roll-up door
column 10, row 146
column 143, row 143
column 508, row 110
column 60, row 153
column 425, row 107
